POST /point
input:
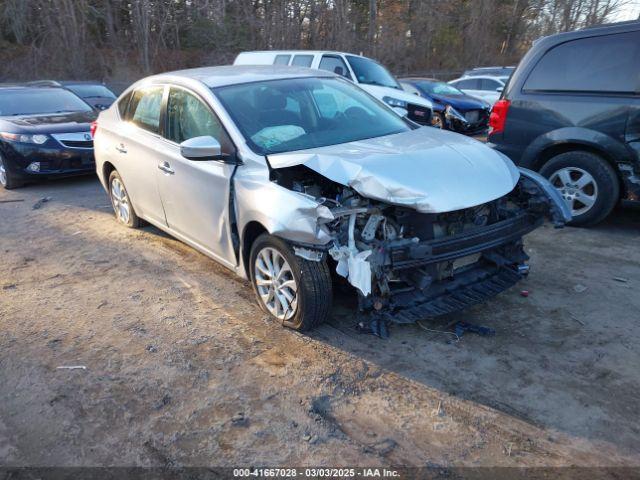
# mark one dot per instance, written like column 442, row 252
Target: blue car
column 452, row 109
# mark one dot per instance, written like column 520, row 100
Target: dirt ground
column 183, row 369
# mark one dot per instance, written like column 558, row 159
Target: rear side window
column 144, row 109
column 468, row 84
column 490, row 85
column 599, row 64
column 282, row 60
column 335, row 65
column 302, row 60
column 123, row 104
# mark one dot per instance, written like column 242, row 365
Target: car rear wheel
column 121, row 203
column 7, row 180
column 295, row 291
column 588, row 184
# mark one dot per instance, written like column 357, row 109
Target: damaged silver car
column 297, row 179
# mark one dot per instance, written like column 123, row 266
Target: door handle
column 166, row 168
column 121, row 148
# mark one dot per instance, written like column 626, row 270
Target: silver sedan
column 297, row 179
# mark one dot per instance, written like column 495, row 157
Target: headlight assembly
column 452, row 112
column 395, row 102
column 37, row 139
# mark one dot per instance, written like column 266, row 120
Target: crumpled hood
column 427, row 169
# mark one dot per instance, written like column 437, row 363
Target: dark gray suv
column 571, row 111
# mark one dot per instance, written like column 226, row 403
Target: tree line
column 126, row 39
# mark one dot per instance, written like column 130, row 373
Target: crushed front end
column 407, row 265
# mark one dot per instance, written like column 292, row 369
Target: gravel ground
column 183, row 369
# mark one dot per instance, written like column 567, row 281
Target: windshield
column 91, row 91
column 438, row 88
column 297, row 114
column 31, row 101
column 371, row 73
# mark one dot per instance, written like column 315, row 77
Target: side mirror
column 203, row 149
column 499, row 89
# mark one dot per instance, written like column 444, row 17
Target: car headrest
column 270, row 100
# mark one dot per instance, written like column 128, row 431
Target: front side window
column 371, row 73
column 334, row 64
column 608, row 63
column 297, row 114
column 188, row 117
column 36, row 100
column 144, row 108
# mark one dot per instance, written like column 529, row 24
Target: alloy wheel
column 275, row 283
column 578, row 188
column 120, row 201
column 3, row 173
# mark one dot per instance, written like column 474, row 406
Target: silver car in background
column 297, row 179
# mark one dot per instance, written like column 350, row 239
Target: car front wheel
column 6, row 178
column 295, row 291
column 588, row 184
column 121, row 203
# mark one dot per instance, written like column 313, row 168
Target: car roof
column 421, row 79
column 222, row 76
column 81, row 82
column 479, row 77
column 303, row 52
column 20, row 88
column 594, row 31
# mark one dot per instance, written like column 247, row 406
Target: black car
column 452, row 108
column 95, row 94
column 572, row 111
column 44, row 132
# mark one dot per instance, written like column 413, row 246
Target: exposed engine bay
column 407, row 265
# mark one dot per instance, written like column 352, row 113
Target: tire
column 569, row 171
column 313, row 294
column 121, row 202
column 437, row 121
column 7, row 179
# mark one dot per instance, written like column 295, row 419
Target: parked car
column 486, row 88
column 96, row 94
column 572, row 112
column 44, row 132
column 452, row 108
column 367, row 73
column 281, row 174
column 500, row 72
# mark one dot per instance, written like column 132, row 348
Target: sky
column 628, row 12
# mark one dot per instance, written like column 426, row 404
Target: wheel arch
column 107, row 168
column 250, row 233
column 547, row 146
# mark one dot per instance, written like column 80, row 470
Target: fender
column 608, row 146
